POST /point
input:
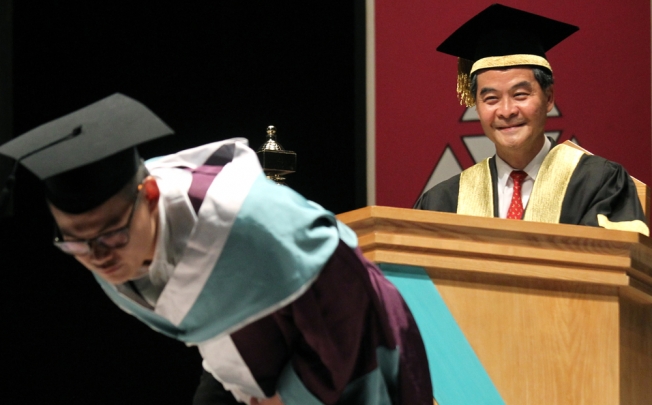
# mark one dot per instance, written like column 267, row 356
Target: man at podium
column 504, row 72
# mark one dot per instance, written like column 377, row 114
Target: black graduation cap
column 501, row 36
column 86, row 157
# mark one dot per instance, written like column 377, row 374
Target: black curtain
column 212, row 70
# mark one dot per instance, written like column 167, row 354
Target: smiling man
column 504, row 72
column 202, row 247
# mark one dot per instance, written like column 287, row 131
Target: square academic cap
column 501, row 36
column 86, row 157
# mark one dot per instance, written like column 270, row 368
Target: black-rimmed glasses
column 110, row 240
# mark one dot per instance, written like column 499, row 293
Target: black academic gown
column 597, row 186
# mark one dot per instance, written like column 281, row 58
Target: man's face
column 116, row 265
column 512, row 108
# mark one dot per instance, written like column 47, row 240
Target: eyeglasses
column 110, row 240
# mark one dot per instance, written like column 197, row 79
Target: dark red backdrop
column 602, row 78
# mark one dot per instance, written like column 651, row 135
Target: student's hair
column 128, row 190
column 543, row 76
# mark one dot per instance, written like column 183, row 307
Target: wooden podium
column 557, row 314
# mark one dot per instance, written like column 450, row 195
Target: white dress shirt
column 505, row 184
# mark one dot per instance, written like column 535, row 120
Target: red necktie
column 516, row 207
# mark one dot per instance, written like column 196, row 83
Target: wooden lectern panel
column 554, row 340
column 557, row 314
column 635, row 352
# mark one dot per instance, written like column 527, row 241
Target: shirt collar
column 503, row 169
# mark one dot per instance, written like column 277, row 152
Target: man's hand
column 275, row 400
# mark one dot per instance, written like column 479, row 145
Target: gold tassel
column 464, row 82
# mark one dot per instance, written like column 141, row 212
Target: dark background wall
column 211, row 70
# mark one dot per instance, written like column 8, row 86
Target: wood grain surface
column 557, row 314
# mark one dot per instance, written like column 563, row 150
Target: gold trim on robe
column 545, row 203
column 476, row 187
column 476, row 191
column 632, row 226
column 551, row 184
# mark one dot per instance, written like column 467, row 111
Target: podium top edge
column 412, row 216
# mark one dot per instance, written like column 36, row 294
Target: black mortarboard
column 86, row 157
column 501, row 36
